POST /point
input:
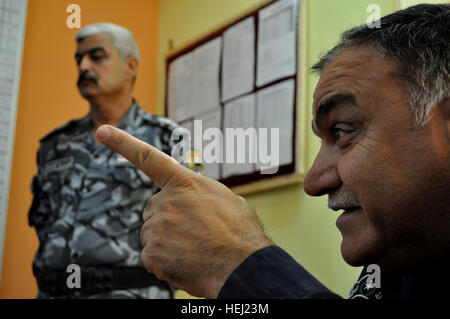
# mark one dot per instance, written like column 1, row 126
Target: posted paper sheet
column 180, row 98
column 12, row 27
column 275, row 109
column 276, row 41
column 207, row 144
column 238, row 66
column 240, row 114
column 193, row 81
column 207, row 67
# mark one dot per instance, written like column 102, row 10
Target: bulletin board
column 12, row 30
column 238, row 86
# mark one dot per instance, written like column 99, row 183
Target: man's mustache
column 87, row 77
column 342, row 200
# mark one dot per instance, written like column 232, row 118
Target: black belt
column 97, row 280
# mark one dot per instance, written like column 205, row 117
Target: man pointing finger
column 196, row 230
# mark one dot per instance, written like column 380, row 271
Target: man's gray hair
column 122, row 39
column 418, row 39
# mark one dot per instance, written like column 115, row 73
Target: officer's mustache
column 87, row 77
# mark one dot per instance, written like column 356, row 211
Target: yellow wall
column 49, row 97
column 406, row 3
column 300, row 224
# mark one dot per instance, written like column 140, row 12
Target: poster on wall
column 12, row 29
column 238, row 59
column 193, row 81
column 239, row 83
column 276, row 42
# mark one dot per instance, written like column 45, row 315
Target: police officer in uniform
column 88, row 200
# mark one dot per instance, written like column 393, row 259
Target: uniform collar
column 129, row 119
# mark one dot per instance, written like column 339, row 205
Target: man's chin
column 87, row 93
column 357, row 254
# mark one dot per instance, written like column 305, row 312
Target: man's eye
column 339, row 131
column 95, row 57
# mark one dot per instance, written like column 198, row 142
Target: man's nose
column 84, row 64
column 323, row 177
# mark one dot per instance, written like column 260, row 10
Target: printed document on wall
column 206, row 79
column 208, row 139
column 277, row 41
column 275, row 111
column 12, row 30
column 193, row 81
column 180, row 98
column 240, row 139
column 238, row 59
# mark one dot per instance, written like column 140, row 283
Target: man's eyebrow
column 91, row 50
column 329, row 104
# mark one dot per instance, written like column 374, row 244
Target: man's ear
column 132, row 66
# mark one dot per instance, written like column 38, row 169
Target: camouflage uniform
column 88, row 200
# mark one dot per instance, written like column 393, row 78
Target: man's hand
column 196, row 231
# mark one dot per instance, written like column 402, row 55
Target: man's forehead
column 351, row 70
column 102, row 40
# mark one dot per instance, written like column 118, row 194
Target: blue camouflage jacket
column 88, row 200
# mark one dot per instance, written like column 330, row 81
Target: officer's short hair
column 122, row 39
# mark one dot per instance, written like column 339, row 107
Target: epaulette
column 159, row 120
column 166, row 121
column 65, row 127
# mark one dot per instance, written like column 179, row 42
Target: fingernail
column 103, row 133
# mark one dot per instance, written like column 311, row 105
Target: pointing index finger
column 157, row 165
